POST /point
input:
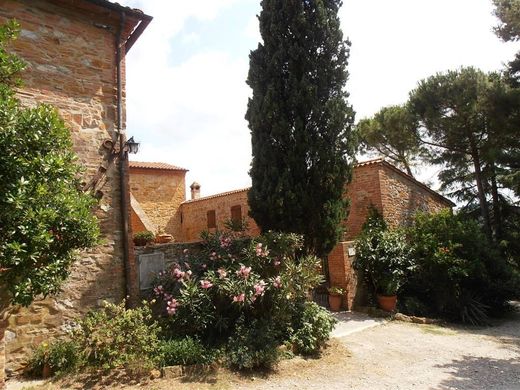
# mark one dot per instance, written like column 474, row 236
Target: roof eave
column 144, row 19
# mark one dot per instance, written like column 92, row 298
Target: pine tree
column 300, row 121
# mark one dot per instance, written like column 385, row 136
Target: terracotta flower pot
column 46, row 371
column 387, row 303
column 163, row 238
column 335, row 302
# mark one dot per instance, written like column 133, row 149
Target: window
column 236, row 213
column 212, row 219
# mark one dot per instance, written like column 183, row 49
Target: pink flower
column 277, row 263
column 206, row 284
column 213, row 256
column 259, row 288
column 260, row 252
column 158, row 290
column 239, row 298
column 222, row 273
column 167, row 297
column 171, row 306
column 178, row 273
column 244, row 271
column 225, row 242
column 277, row 283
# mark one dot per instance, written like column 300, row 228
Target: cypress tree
column 300, row 122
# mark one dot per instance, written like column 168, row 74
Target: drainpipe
column 123, row 162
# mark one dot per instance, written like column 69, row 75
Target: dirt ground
column 396, row 355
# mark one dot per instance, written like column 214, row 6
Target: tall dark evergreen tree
column 300, row 121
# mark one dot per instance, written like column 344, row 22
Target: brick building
column 75, row 54
column 393, row 192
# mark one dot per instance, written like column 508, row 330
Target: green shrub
column 115, row 337
column 61, row 356
column 459, row 275
column 254, row 345
column 383, row 256
column 185, row 351
column 313, row 329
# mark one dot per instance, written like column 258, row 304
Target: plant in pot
column 384, row 258
column 143, row 238
column 335, row 297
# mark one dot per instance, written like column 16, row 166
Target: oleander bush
column 244, row 295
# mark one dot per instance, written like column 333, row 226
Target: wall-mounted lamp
column 131, row 146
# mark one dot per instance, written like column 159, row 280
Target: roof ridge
column 218, row 195
column 155, row 165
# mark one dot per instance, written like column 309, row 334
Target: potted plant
column 335, row 297
column 143, row 238
column 162, row 237
column 384, row 258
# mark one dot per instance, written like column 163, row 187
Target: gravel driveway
column 405, row 356
column 395, row 355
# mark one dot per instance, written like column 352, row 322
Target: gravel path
column 406, row 356
column 395, row 355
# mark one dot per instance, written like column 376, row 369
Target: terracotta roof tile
column 155, row 165
column 217, row 195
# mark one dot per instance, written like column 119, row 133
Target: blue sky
column 186, row 91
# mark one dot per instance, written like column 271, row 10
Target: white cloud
column 397, row 43
column 190, row 112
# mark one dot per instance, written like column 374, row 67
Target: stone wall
column 402, row 196
column 195, row 213
column 160, row 193
column 71, row 65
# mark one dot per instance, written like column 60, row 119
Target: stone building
column 394, row 193
column 75, row 54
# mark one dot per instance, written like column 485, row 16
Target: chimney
column 195, row 190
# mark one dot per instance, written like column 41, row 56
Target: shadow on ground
column 477, row 373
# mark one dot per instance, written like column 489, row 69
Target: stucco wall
column 194, row 213
column 160, row 194
column 71, row 65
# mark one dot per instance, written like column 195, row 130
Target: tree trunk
column 484, row 210
column 407, row 167
column 497, row 212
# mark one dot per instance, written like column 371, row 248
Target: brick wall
column 394, row 193
column 71, row 65
column 194, row 213
column 362, row 191
column 160, row 193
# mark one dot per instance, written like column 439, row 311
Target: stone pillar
column 195, row 190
